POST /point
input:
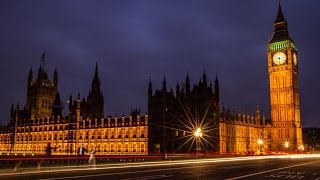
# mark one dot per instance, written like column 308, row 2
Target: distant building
column 311, row 139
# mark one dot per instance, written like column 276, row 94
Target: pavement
column 253, row 167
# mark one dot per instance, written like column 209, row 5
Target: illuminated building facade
column 284, row 92
column 42, row 122
column 173, row 117
column 231, row 132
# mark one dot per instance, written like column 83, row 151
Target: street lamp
column 286, row 144
column 198, row 135
column 260, row 143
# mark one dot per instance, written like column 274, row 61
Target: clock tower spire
column 284, row 92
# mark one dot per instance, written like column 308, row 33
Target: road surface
column 254, row 167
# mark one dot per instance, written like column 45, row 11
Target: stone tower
column 41, row 92
column 284, row 92
column 95, row 99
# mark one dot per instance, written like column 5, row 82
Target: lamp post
column 198, row 135
column 260, row 143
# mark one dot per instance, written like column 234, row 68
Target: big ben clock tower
column 284, row 93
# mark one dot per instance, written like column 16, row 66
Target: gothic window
column 119, row 133
column 112, row 147
column 134, row 132
column 127, row 132
column 119, row 147
column 142, row 132
column 126, row 148
column 112, row 133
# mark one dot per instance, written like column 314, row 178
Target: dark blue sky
column 133, row 41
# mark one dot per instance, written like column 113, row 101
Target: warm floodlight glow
column 286, row 144
column 260, row 141
column 198, row 133
column 301, row 147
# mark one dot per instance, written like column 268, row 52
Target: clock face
column 295, row 62
column 279, row 58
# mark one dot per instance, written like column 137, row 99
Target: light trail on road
column 162, row 163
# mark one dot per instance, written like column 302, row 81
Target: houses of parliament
column 173, row 115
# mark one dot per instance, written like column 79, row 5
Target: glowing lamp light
column 260, row 141
column 286, row 144
column 198, row 132
column 302, row 147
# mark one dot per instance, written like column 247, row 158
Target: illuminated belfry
column 284, row 92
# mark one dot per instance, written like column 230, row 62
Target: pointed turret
column 96, row 82
column 96, row 75
column 12, row 109
column 57, row 106
column 187, row 85
column 40, row 72
column 55, row 77
column 204, row 78
column 150, row 88
column 30, row 76
column 43, row 58
column 95, row 99
column 178, row 89
column 216, row 87
column 164, row 85
column 280, row 30
column 280, row 17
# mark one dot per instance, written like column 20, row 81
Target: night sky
column 133, row 41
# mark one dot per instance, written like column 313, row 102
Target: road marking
column 110, row 174
column 263, row 172
column 149, row 177
column 231, row 167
